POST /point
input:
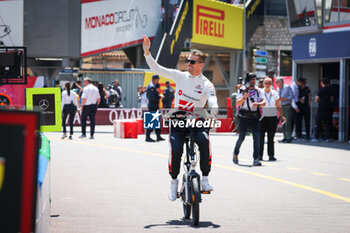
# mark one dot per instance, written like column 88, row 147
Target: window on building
column 275, row 7
column 302, row 13
column 208, row 74
column 286, row 63
column 337, row 11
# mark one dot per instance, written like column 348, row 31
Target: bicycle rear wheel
column 195, row 201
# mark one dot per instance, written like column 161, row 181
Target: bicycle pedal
column 206, row 192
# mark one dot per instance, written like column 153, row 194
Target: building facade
column 321, row 48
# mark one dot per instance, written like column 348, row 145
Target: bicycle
column 190, row 192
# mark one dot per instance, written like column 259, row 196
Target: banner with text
column 112, row 24
column 217, row 24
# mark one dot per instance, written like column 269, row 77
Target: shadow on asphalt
column 333, row 145
column 183, row 222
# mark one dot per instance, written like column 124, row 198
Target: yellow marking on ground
column 344, row 179
column 294, row 168
column 319, row 174
column 301, row 186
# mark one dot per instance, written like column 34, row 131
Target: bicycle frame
column 190, row 166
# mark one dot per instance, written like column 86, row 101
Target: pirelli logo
column 210, row 21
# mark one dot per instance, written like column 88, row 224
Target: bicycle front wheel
column 195, row 201
column 186, row 207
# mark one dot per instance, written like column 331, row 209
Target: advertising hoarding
column 217, row 24
column 48, row 102
column 111, row 24
column 18, row 170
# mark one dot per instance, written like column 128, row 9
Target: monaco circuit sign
column 111, row 24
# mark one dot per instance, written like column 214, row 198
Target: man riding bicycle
column 193, row 90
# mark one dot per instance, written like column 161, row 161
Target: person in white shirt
column 144, row 99
column 90, row 100
column 193, row 91
column 269, row 119
column 69, row 107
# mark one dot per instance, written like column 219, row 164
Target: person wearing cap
column 90, row 100
column 249, row 100
column 153, row 105
column 168, row 95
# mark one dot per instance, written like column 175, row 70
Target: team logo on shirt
column 186, row 105
column 199, row 87
column 198, row 92
column 180, row 92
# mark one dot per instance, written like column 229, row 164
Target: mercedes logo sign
column 43, row 104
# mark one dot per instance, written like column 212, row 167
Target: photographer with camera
column 249, row 100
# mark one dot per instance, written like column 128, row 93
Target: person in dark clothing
column 168, row 95
column 104, row 96
column 119, row 91
column 153, row 105
column 304, row 105
column 324, row 98
column 249, row 100
column 69, row 107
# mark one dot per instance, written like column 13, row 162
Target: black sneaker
column 91, row 137
column 272, row 159
column 150, row 140
column 289, row 141
column 82, row 136
column 283, row 140
column 70, row 137
column 160, row 139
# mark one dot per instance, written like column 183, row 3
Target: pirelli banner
column 217, row 24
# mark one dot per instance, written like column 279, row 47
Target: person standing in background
column 234, row 107
column 90, row 100
column 269, row 119
column 304, row 104
column 286, row 97
column 261, row 83
column 295, row 104
column 69, row 107
column 119, row 91
column 104, row 96
column 144, row 99
column 325, row 99
column 153, row 105
column 168, row 95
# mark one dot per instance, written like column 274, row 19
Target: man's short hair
column 279, row 79
column 87, row 79
column 200, row 54
column 267, row 79
column 326, row 81
column 301, row 79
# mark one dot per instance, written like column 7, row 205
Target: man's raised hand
column 146, row 45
